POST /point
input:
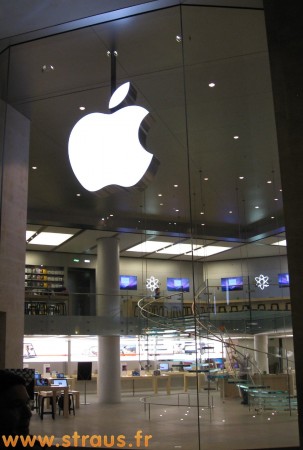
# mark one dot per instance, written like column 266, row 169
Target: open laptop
column 61, row 382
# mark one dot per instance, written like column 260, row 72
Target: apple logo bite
column 105, row 149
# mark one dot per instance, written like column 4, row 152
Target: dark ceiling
column 228, row 190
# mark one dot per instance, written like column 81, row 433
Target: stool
column 187, row 310
column 288, row 306
column 261, row 306
column 36, row 401
column 175, row 311
column 234, row 308
column 222, row 308
column 61, row 309
column 274, row 307
column 52, row 310
column 42, row 399
column 71, row 403
column 42, row 307
column 245, row 308
column 136, row 311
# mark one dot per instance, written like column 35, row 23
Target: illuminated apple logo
column 105, row 149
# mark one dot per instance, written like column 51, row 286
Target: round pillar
column 261, row 352
column 108, row 307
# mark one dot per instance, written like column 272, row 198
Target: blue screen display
column 177, row 284
column 128, row 282
column 232, row 284
column 283, row 279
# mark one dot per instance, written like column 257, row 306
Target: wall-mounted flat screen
column 283, row 279
column 128, row 282
column 177, row 284
column 164, row 366
column 232, row 284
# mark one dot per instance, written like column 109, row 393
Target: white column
column 261, row 352
column 108, row 307
column 109, row 371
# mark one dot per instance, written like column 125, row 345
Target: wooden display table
column 153, row 380
column 54, row 391
column 202, row 380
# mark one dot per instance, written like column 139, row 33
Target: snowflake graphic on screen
column 152, row 283
column 262, row 281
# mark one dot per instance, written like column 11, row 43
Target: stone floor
column 225, row 425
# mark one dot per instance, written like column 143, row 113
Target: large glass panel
column 203, row 279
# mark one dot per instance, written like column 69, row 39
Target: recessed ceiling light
column 241, row 178
column 29, row 234
column 236, row 137
column 272, row 217
column 269, row 182
column 34, row 167
column 149, row 246
column 111, row 215
column 78, row 195
column 202, row 212
column 176, row 185
column 276, row 199
column 178, row 38
column 82, row 108
column 257, row 207
column 178, row 249
column 230, row 212
column 87, row 260
column 47, row 238
column 282, row 243
column 159, row 195
column 206, row 179
column 177, row 210
column 210, row 250
column 203, row 224
column 161, row 204
column 212, row 84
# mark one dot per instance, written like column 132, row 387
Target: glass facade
column 203, row 75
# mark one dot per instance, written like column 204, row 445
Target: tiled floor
column 228, row 425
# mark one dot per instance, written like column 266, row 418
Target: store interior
column 202, row 251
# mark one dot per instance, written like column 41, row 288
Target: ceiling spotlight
column 230, row 212
column 159, row 195
column 236, row 137
column 202, row 212
column 78, row 195
column 269, row 182
column 34, row 167
column 241, row 178
column 257, row 207
column 176, row 185
column 206, row 179
column 178, row 38
column 211, row 85
column 82, row 108
column 47, row 68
